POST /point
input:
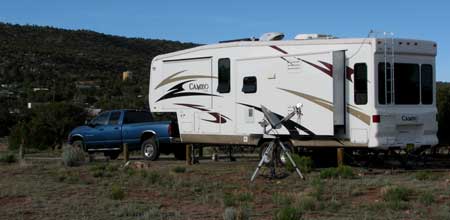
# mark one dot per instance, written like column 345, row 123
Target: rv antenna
column 275, row 123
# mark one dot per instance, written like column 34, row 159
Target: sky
column 211, row 21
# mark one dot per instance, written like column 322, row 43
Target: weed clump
column 342, row 171
column 8, row 158
column 305, row 164
column 288, row 213
column 72, row 156
column 425, row 175
column 397, row 194
column 427, row 198
column 179, row 169
column 240, row 213
column 117, row 192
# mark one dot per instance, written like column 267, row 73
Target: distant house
column 127, row 75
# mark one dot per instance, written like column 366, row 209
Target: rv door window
column 224, row 75
column 426, row 79
column 406, row 83
column 249, row 84
column 384, row 83
column 360, row 85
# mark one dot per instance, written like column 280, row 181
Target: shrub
column 280, row 199
column 229, row 200
column 72, row 156
column 427, row 198
column 330, row 172
column 240, row 213
column 307, row 203
column 179, row 169
column 342, row 171
column 288, row 213
column 318, row 188
column 397, row 194
column 117, row 192
column 46, row 126
column 8, row 158
column 425, row 175
column 305, row 164
column 153, row 177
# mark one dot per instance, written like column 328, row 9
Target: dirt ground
column 168, row 189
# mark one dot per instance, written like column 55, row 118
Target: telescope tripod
column 273, row 147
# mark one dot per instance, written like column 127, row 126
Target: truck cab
column 111, row 130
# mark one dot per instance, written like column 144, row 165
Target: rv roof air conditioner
column 313, row 36
column 271, row 36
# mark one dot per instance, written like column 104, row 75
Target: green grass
column 117, row 193
column 179, row 169
column 305, row 164
column 342, row 171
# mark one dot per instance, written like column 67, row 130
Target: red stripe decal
column 349, row 73
column 328, row 70
column 279, row 49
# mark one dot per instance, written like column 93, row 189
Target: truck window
column 426, row 79
column 102, row 119
column 137, row 117
column 114, row 118
column 384, row 83
column 249, row 84
column 360, row 84
column 224, row 75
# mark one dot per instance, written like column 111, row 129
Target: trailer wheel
column 150, row 149
column 179, row 151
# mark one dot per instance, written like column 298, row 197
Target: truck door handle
column 117, row 128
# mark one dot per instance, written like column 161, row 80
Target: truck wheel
column 112, row 154
column 78, row 144
column 180, row 152
column 150, row 150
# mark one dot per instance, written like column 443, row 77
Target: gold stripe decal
column 322, row 102
column 328, row 105
column 358, row 114
column 173, row 78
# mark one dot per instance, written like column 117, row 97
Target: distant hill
column 59, row 60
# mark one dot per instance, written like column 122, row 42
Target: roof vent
column 313, row 36
column 271, row 36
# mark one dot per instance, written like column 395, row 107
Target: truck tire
column 150, row 150
column 79, row 144
column 180, row 152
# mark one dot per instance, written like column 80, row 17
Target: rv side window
column 249, row 84
column 224, row 75
column 384, row 83
column 426, row 79
column 360, row 85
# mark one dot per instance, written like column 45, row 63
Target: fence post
column 126, row 154
column 188, row 154
column 340, row 156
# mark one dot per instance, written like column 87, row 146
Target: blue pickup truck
column 110, row 130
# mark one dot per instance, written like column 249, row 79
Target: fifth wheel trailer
column 355, row 92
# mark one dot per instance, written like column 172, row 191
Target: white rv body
column 318, row 73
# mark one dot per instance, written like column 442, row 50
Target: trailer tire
column 150, row 150
column 179, row 152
